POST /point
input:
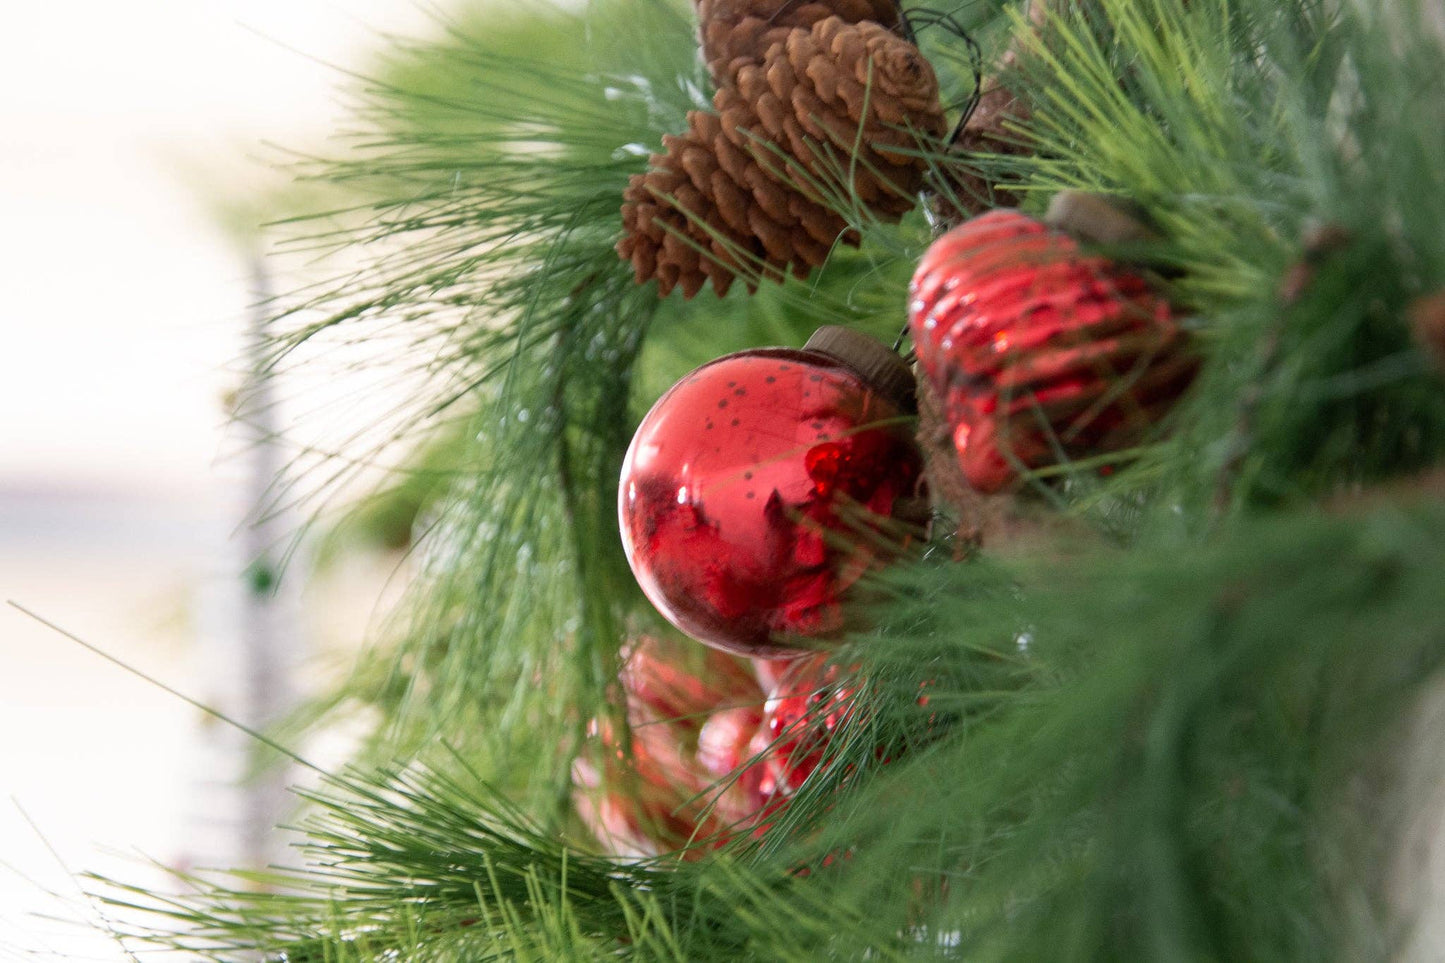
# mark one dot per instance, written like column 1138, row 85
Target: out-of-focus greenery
column 1125, row 755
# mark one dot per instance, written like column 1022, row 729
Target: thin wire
column 909, row 33
column 781, row 10
column 898, row 343
column 937, row 18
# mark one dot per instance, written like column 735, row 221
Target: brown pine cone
column 710, row 209
column 857, row 86
column 830, row 115
column 735, row 32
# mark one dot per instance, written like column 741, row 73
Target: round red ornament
column 1039, row 351
column 810, row 701
column 764, row 484
column 679, row 776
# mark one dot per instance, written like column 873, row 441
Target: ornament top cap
column 1100, row 218
column 880, row 368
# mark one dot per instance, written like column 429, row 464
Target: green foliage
column 1171, row 738
column 395, row 514
column 496, row 178
column 1199, row 764
column 1244, row 129
column 491, row 180
column 1144, row 755
column 439, row 867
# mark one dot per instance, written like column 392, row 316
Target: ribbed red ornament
column 1040, row 352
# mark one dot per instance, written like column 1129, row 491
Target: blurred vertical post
column 269, row 633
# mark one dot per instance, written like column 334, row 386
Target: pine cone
column 831, row 113
column 735, row 32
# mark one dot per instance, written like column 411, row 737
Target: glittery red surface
column 1040, row 351
column 757, row 491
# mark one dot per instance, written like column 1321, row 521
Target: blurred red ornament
column 810, row 702
column 770, row 671
column 763, row 485
column 712, row 753
column 1039, row 351
column 681, row 780
column 1427, row 318
column 725, row 740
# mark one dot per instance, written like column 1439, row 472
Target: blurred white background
column 123, row 314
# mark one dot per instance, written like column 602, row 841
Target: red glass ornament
column 723, row 743
column 681, row 779
column 763, row 485
column 1039, row 351
column 808, row 706
column 811, row 701
column 709, row 753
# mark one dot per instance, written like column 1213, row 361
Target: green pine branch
column 1146, row 754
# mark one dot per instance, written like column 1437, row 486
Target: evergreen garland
column 1166, row 725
